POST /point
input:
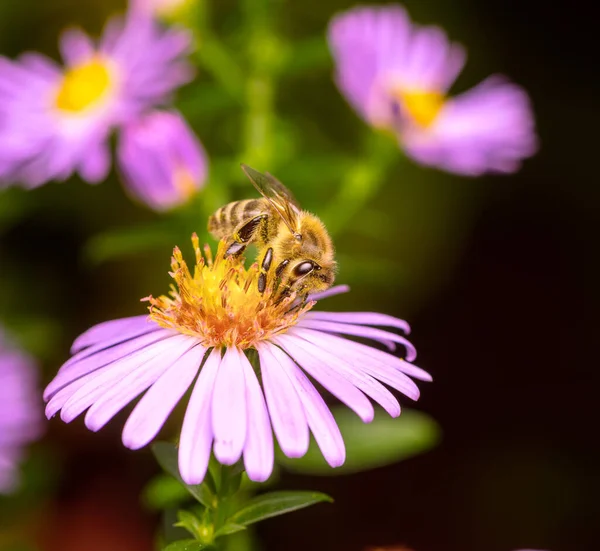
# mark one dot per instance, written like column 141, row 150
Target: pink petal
column 84, row 363
column 285, row 408
column 329, row 377
column 134, row 383
column 319, row 417
column 108, row 330
column 229, row 421
column 360, row 318
column 385, row 337
column 152, row 411
column 196, row 433
column 361, row 380
column 258, row 451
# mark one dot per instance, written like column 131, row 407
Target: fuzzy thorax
column 220, row 303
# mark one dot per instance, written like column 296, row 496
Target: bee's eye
column 304, row 268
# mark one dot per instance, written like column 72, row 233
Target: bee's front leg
column 244, row 235
column 265, row 266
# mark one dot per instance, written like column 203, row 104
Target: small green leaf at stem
column 229, row 528
column 166, row 455
column 274, row 504
column 185, row 545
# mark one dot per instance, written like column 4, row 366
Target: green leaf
column 164, row 492
column 229, row 528
column 190, row 522
column 382, row 442
column 166, row 455
column 185, row 545
column 274, row 504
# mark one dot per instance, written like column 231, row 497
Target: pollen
column 422, row 107
column 220, row 303
column 84, row 86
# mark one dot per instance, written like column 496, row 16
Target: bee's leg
column 244, row 235
column 265, row 266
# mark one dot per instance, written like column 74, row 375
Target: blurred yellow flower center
column 423, row 107
column 220, row 303
column 83, row 86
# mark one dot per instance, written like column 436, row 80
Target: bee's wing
column 277, row 194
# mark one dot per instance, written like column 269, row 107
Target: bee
column 292, row 244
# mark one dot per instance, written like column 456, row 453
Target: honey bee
column 292, row 242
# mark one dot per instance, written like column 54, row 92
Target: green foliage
column 186, row 545
column 274, row 504
column 225, row 505
column 382, row 442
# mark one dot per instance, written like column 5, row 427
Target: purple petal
column 161, row 160
column 336, row 290
column 384, row 337
column 152, row 411
column 359, row 358
column 134, row 383
column 328, row 376
column 285, row 408
column 94, row 358
column 258, row 451
column 360, row 318
column 108, row 330
column 229, row 420
column 319, row 417
column 355, row 375
column 76, row 47
column 94, row 167
column 196, row 433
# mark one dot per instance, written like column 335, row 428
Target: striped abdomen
column 223, row 223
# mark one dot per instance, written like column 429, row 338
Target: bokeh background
column 495, row 274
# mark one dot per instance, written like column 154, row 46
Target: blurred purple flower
column 161, row 8
column 55, row 121
column 397, row 76
column 161, row 160
column 201, row 333
column 20, row 410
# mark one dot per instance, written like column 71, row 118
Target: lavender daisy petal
column 76, row 47
column 331, row 292
column 385, row 337
column 99, row 382
column 320, row 420
column 258, row 450
column 360, row 318
column 285, row 408
column 330, row 356
column 487, row 129
column 133, row 384
column 92, row 359
column 359, row 356
column 156, row 405
column 161, row 160
column 329, row 377
column 109, row 330
column 229, row 410
column 197, row 434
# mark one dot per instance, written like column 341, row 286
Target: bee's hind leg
column 244, row 235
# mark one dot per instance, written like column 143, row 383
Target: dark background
column 506, row 319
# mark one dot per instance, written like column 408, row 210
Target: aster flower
column 202, row 336
column 161, row 160
column 397, row 76
column 20, row 410
column 55, row 120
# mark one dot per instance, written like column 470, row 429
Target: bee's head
column 309, row 276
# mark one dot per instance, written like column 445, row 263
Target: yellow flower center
column 220, row 303
column 84, row 86
column 423, row 107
